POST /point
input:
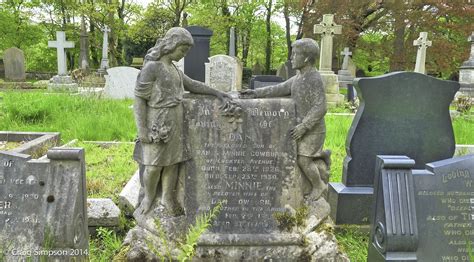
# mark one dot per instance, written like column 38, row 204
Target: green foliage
column 353, row 242
column 371, row 56
column 203, row 222
column 164, row 243
column 287, row 221
column 463, row 104
column 75, row 117
column 337, row 128
column 105, row 246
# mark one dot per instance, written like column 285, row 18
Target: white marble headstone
column 224, row 73
column 120, row 82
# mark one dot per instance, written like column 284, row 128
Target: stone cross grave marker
column 346, row 53
column 422, row 43
column 397, row 116
column 104, row 63
column 14, row 63
column 327, row 29
column 466, row 71
column 224, row 73
column 344, row 76
column 61, row 44
column 42, row 200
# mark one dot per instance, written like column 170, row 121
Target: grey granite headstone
column 394, row 231
column 264, row 80
column 397, row 116
column 198, row 55
column 444, row 197
column 14, row 61
column 42, row 201
column 120, row 82
column 243, row 163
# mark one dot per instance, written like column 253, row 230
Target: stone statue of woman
column 159, row 117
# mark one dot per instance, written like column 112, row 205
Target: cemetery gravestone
column 397, row 116
column 422, row 43
column 328, row 29
column 14, row 61
column 466, row 72
column 198, row 54
column 345, row 77
column 264, row 80
column 286, row 71
column 224, row 73
column 42, row 200
column 120, row 82
column 439, row 213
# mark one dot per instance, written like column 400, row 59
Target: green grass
column 353, row 242
column 76, row 117
column 109, row 167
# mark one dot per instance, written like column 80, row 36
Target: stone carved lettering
column 243, row 169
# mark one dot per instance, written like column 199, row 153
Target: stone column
column 327, row 29
column 104, row 63
column 232, row 42
column 422, row 43
column 466, row 72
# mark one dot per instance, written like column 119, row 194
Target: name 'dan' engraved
column 456, row 174
column 258, row 112
column 5, row 205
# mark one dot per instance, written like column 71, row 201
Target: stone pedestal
column 466, row 72
column 62, row 83
column 331, row 84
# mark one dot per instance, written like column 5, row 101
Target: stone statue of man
column 159, row 117
column 307, row 90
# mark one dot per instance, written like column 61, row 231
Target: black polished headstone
column 402, row 113
column 195, row 59
column 259, row 81
column 394, row 231
column 444, row 197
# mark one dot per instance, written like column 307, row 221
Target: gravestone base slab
column 344, row 200
column 62, row 83
column 375, row 256
column 331, row 84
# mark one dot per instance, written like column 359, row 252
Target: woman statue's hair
column 175, row 37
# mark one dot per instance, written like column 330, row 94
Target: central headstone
column 245, row 163
column 397, row 116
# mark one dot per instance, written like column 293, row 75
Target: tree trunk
column 397, row 60
column 268, row 48
column 245, row 47
column 286, row 13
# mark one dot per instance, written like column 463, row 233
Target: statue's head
column 176, row 38
column 305, row 51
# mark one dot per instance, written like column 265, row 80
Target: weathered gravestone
column 224, row 73
column 286, row 71
column 397, row 116
column 198, row 54
column 246, row 163
column 14, row 61
column 120, row 82
column 42, row 200
column 438, row 212
column 259, row 81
